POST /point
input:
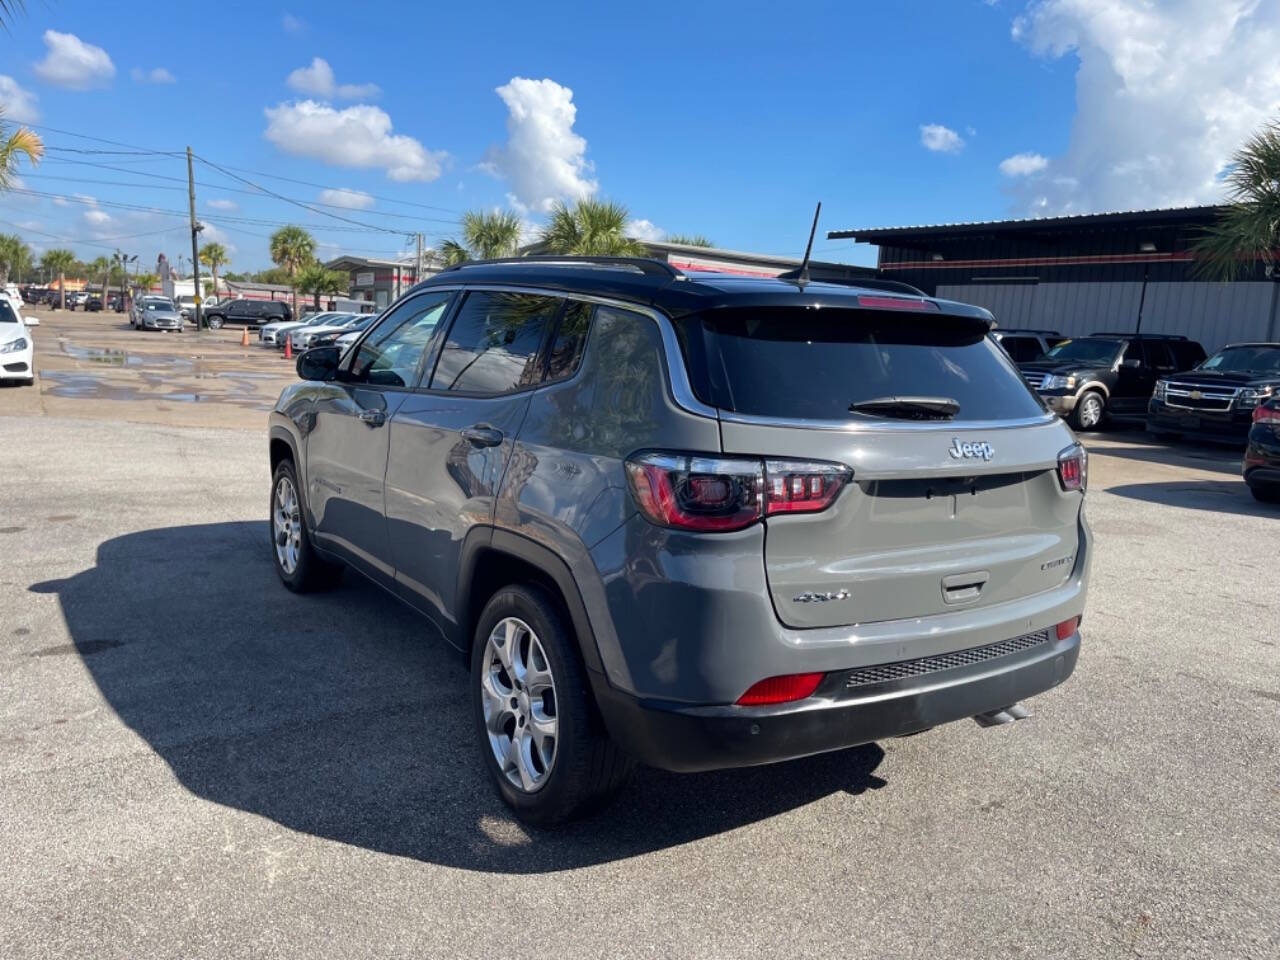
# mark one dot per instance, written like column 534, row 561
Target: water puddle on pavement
column 81, row 385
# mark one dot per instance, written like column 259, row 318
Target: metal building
column 1080, row 274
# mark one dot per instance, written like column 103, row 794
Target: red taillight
column 1261, row 413
column 1073, row 468
column 1067, row 627
column 719, row 494
column 793, row 686
column 896, row 303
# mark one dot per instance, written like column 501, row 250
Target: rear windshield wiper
column 908, row 408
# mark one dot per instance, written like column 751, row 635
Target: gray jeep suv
column 692, row 521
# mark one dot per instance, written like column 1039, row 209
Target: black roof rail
column 1138, row 336
column 871, row 283
column 1048, row 333
column 646, row 265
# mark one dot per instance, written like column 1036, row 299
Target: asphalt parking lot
column 197, row 763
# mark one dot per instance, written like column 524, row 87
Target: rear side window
column 570, row 340
column 806, row 364
column 1021, row 349
column 493, row 343
column 1159, row 355
column 1187, row 353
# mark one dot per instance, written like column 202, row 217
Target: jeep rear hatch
column 955, row 499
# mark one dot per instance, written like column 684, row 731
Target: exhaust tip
column 997, row 718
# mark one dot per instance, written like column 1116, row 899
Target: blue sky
column 725, row 119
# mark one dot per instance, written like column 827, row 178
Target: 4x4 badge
column 970, row 451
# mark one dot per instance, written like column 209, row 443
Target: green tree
column 145, row 281
column 214, row 256
column 485, row 236
column 277, row 275
column 591, row 228
column 292, row 248
column 101, row 267
column 14, row 146
column 1249, row 229
column 688, row 239
column 15, row 256
column 59, row 261
column 315, row 279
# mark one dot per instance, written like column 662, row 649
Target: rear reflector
column 794, row 686
column 896, row 303
column 1067, row 627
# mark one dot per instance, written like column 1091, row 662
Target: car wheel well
column 280, row 450
column 495, row 570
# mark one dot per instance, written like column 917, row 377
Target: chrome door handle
column 483, row 435
column 374, row 418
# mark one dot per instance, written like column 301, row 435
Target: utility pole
column 417, row 270
column 195, row 232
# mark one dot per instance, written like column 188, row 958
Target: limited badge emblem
column 821, row 597
column 970, row 450
column 1196, row 395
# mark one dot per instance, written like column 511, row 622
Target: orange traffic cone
column 288, row 347
column 244, row 339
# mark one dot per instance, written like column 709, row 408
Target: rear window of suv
column 805, row 364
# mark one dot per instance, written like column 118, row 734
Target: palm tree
column 213, row 256
column 292, row 248
column 591, row 228
column 145, row 281
column 59, row 261
column 315, row 279
column 1249, row 229
column 101, row 267
column 15, row 256
column 688, row 239
column 21, row 143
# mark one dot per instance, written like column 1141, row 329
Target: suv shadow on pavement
column 1216, row 496
column 345, row 716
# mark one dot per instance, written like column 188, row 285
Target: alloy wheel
column 519, row 696
column 1091, row 413
column 286, row 521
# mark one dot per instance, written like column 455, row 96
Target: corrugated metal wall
column 1212, row 313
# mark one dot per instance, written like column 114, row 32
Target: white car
column 305, row 336
column 17, row 349
column 274, row 333
column 17, row 304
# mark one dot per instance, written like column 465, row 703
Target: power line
column 100, row 242
column 114, row 143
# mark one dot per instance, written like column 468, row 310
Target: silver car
column 273, row 334
column 157, row 313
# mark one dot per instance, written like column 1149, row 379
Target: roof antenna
column 803, row 277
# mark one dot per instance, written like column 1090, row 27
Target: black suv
column 252, row 313
column 1024, row 345
column 1086, row 378
column 1217, row 399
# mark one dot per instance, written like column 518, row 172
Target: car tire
column 213, row 323
column 1265, row 494
column 299, row 566
column 526, row 675
column 1089, row 411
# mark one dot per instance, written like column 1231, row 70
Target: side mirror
column 320, row 363
column 1131, row 364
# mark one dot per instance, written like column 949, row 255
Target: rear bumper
column 687, row 738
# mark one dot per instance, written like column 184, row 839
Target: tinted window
column 6, row 313
column 1187, row 353
column 493, row 344
column 390, row 356
column 801, row 364
column 1021, row 348
column 1091, row 350
column 570, row 339
column 1133, row 351
column 1159, row 355
column 1260, row 359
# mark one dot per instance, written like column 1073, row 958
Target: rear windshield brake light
column 895, row 303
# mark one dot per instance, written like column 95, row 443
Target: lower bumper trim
column 682, row 738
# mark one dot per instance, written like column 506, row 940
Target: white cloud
column 291, row 24
column 154, row 75
column 358, row 136
column 211, row 234
column 86, row 199
column 1023, row 164
column 318, row 80
column 219, row 203
column 17, row 103
column 74, row 64
column 544, row 160
column 97, row 217
column 646, row 231
column 351, row 199
column 1164, row 94
column 940, row 139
